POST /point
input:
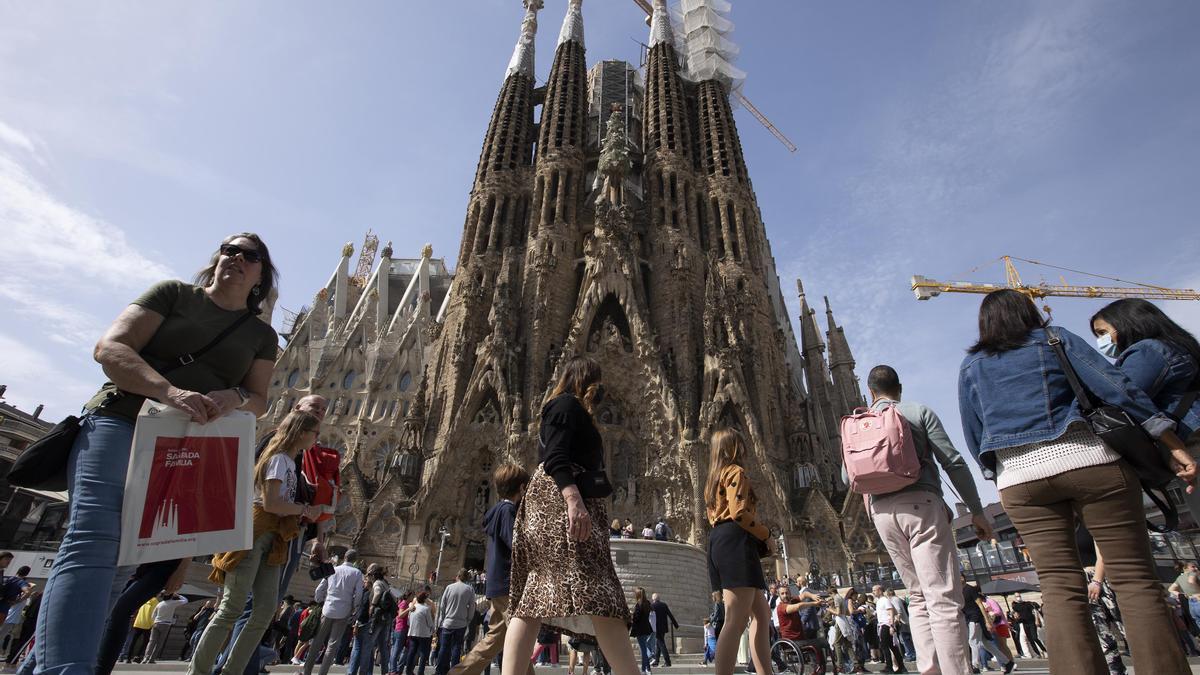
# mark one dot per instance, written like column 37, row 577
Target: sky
column 933, row 138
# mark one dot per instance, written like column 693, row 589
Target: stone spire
column 841, row 366
column 572, row 28
column 522, row 58
column 660, row 25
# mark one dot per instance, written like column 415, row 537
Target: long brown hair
column 580, row 377
column 725, row 448
column 639, row 599
column 285, row 439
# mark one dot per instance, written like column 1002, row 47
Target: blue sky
column 934, row 137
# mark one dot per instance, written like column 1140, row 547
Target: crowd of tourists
column 549, row 573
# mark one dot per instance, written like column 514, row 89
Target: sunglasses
column 248, row 254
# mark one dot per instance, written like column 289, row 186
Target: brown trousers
column 1108, row 499
column 490, row 644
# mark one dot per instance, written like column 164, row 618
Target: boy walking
column 510, row 481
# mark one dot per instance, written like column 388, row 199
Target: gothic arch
column 609, row 322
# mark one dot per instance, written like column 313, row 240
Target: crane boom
column 925, row 288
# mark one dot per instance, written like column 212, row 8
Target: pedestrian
column 844, row 632
column 139, row 633
column 1187, row 582
column 15, row 592
column 662, row 617
column 360, row 631
column 663, row 531
column 614, row 530
column 454, row 612
column 716, row 615
column 276, row 518
column 903, row 628
column 420, row 635
column 317, row 467
column 889, row 643
column 141, row 352
column 149, row 580
column 164, row 619
column 737, row 541
column 340, row 595
column 510, row 481
column 16, row 645
column 999, row 628
column 1028, row 615
column 1162, row 359
column 640, row 627
column 195, row 628
column 382, row 608
column 1050, row 468
column 789, row 610
column 914, row 524
column 1015, row 627
column 627, row 531
column 400, row 632
column 562, row 569
column 710, row 642
column 979, row 629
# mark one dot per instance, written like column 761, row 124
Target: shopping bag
column 188, row 488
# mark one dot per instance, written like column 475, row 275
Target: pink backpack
column 878, row 451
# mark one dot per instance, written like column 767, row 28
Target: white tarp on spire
column 709, row 53
column 572, row 28
column 522, row 58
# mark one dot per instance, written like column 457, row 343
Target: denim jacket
column 1165, row 372
column 1022, row 395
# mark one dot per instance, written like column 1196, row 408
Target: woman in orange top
column 735, row 545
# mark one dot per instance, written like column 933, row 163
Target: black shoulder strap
column 189, row 358
column 1055, row 342
column 1185, row 403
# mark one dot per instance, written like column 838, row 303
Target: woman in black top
column 562, row 574
column 641, row 627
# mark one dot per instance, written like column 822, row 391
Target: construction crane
column 758, row 115
column 366, row 258
column 925, row 288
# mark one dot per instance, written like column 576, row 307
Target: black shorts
column 733, row 558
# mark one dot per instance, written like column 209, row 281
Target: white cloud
column 16, row 139
column 35, row 377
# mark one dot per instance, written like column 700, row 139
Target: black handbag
column 1127, row 438
column 43, row 465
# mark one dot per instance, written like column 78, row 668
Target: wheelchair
column 800, row 657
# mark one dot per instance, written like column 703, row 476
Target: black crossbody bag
column 1117, row 429
column 43, row 465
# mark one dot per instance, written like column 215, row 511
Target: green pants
column 252, row 574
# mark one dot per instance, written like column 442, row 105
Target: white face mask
column 1106, row 346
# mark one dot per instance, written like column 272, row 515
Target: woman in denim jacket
column 1024, row 427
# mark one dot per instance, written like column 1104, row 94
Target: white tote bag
column 188, row 489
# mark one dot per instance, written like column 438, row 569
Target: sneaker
column 1011, row 666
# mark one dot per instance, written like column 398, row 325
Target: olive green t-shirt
column 190, row 321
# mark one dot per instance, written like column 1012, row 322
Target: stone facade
column 671, row 570
column 650, row 255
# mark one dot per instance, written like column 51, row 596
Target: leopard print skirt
column 556, row 579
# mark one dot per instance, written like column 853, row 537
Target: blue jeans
column 399, row 637
column 646, row 644
column 358, row 645
column 254, row 666
column 450, row 644
column 76, row 597
column 417, row 654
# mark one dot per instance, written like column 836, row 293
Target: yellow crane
column 926, row 288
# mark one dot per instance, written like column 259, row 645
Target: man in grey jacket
column 455, row 610
column 914, row 524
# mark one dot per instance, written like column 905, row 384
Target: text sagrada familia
column 620, row 222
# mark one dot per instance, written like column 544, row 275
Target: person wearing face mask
column 562, row 573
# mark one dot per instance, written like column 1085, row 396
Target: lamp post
column 787, row 572
column 445, row 535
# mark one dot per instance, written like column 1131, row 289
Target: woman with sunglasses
column 146, row 353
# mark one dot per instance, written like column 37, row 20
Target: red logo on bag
column 191, row 484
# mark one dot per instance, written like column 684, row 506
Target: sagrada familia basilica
column 612, row 214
